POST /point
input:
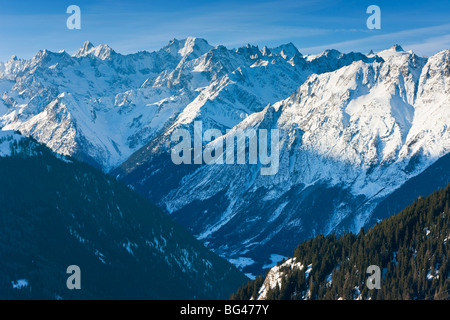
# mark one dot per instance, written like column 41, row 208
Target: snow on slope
column 7, row 138
column 276, row 275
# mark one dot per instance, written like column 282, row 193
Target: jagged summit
column 191, row 47
column 395, row 51
column 102, row 51
column 397, row 48
column 287, row 51
column 266, row 51
column 250, row 50
column 84, row 50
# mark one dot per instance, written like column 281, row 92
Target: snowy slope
column 97, row 104
column 7, row 139
column 276, row 275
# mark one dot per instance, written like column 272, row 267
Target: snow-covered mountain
column 98, row 105
column 102, row 106
column 353, row 128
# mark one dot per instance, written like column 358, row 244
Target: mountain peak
column 173, row 41
column 189, row 46
column 265, row 51
column 85, row 49
column 196, row 40
column 197, row 45
column 287, row 51
column 102, row 51
column 396, row 48
column 88, row 45
column 249, row 50
column 331, row 52
column 394, row 51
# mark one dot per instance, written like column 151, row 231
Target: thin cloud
column 431, row 45
column 435, row 39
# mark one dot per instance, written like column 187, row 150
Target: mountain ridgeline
column 411, row 249
column 56, row 212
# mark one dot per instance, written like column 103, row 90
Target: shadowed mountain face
column 57, row 212
column 353, row 129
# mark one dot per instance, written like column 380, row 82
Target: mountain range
column 354, row 130
column 58, row 212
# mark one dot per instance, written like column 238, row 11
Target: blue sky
column 312, row 25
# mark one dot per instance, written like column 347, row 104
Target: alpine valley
column 361, row 135
column 57, row 212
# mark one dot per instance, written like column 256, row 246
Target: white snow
column 277, row 212
column 275, row 276
column 446, row 239
column 250, row 276
column 274, row 259
column 357, row 293
column 308, row 271
column 433, row 275
column 241, row 262
column 392, row 53
column 6, row 139
column 329, row 279
column 100, row 256
column 20, row 284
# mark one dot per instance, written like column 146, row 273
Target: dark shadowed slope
column 56, row 212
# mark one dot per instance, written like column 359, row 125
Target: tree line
column 411, row 249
